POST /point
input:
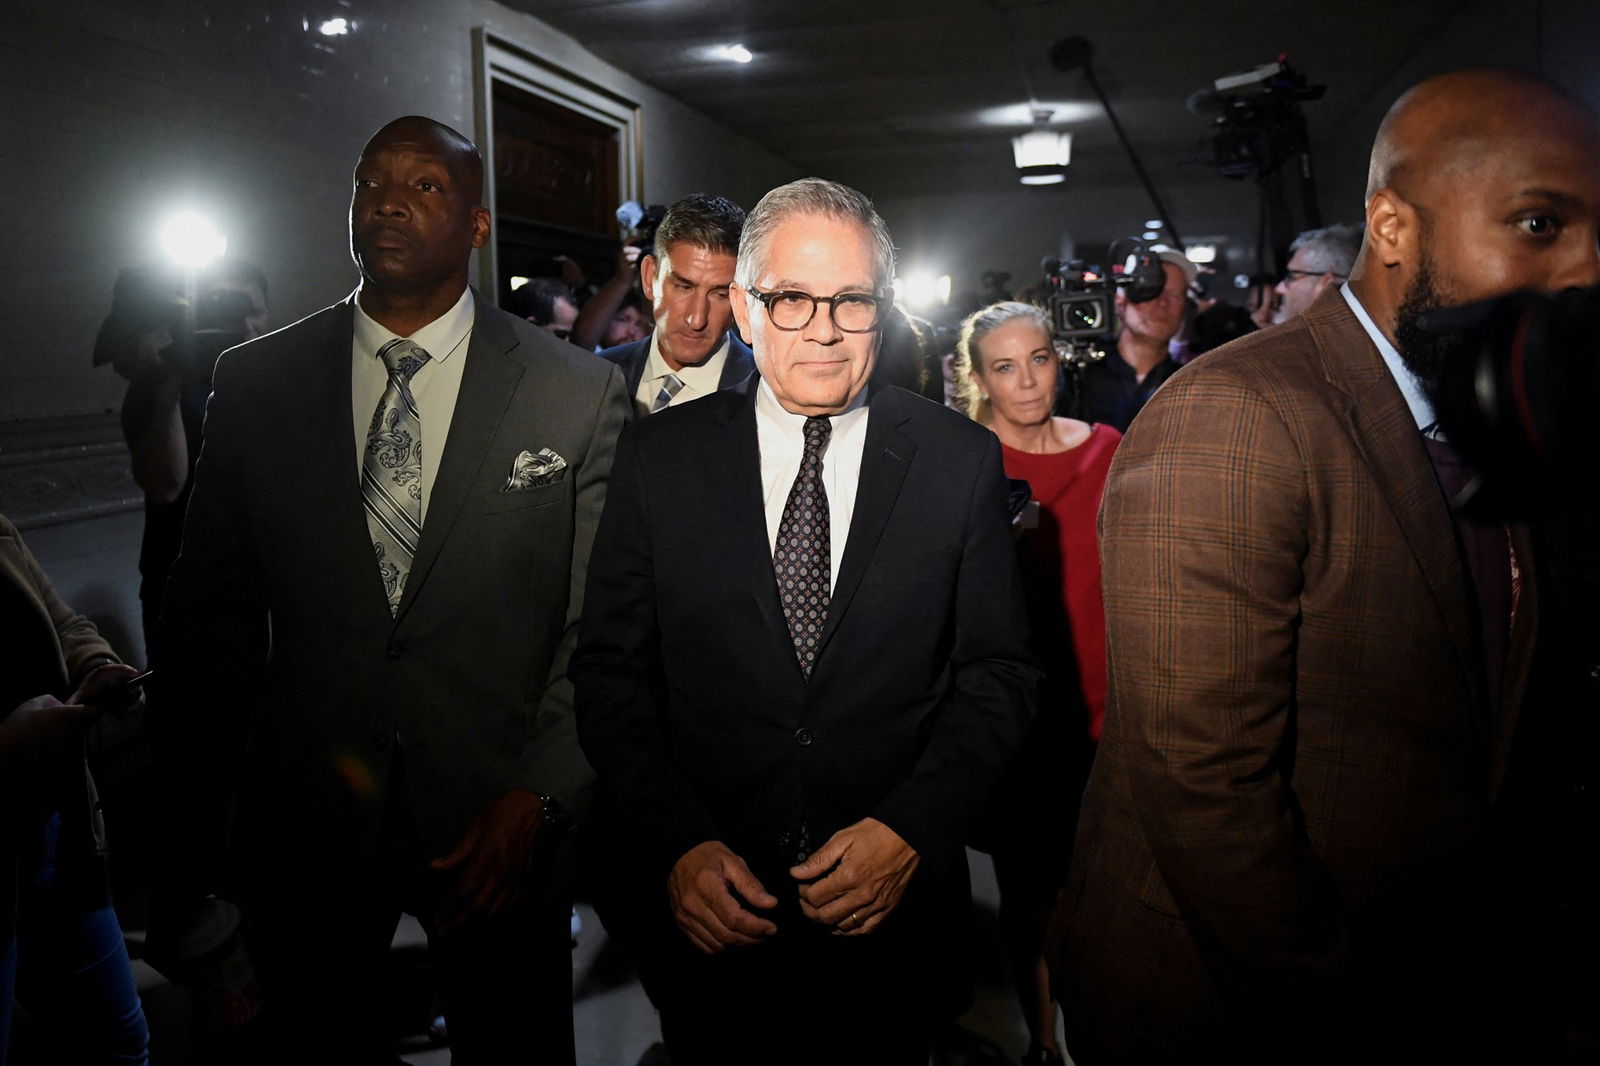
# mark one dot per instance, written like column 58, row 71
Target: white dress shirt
column 780, row 436
column 434, row 387
column 698, row 381
column 1417, row 400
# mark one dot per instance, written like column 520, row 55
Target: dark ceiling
column 902, row 95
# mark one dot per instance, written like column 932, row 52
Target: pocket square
column 532, row 469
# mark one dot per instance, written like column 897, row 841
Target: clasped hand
column 850, row 884
column 855, row 880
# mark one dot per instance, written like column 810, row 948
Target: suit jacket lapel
column 732, row 459
column 885, row 459
column 487, row 383
column 633, row 366
column 1386, row 432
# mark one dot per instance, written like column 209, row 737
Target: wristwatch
column 555, row 815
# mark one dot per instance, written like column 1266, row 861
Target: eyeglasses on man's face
column 1292, row 275
column 851, row 312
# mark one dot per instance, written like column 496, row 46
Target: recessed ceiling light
column 1154, row 223
column 335, row 27
column 738, row 53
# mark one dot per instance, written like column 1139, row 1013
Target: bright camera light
column 517, row 282
column 334, row 27
column 191, row 240
column 921, row 291
column 1201, row 253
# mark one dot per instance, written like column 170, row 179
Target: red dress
column 1061, row 571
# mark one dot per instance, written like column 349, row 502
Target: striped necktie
column 391, row 470
column 671, row 385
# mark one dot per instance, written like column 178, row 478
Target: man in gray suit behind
column 382, row 572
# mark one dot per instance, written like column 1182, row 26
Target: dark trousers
column 805, row 997
column 321, row 947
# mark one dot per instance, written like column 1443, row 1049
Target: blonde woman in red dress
column 1006, row 372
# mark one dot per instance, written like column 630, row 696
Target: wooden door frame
column 500, row 59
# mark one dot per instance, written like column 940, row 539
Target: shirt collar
column 1417, row 400
column 440, row 338
column 704, row 376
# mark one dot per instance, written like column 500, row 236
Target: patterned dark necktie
column 391, row 470
column 800, row 559
column 671, row 385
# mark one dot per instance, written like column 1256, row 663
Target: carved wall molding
column 65, row 469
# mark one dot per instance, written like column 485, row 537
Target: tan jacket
column 50, row 647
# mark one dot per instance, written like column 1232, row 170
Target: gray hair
column 1331, row 249
column 974, row 328
column 812, row 196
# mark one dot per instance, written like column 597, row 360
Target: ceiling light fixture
column 1042, row 154
column 736, row 52
column 335, row 27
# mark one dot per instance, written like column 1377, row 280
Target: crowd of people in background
column 678, row 588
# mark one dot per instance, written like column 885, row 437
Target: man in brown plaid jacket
column 1316, row 662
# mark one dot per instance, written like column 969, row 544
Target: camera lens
column 1085, row 314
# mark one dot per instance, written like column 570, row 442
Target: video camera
column 1256, row 121
column 639, row 224
column 1516, row 398
column 192, row 324
column 1082, row 300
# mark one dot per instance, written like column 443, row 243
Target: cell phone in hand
column 1018, row 493
column 136, row 681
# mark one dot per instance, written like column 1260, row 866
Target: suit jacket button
column 802, row 736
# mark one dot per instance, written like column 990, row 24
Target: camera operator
column 1116, row 387
column 166, row 347
column 1318, row 260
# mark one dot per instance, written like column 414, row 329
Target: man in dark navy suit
column 800, row 671
column 693, row 351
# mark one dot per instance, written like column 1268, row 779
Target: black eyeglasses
column 1296, row 275
column 851, row 312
